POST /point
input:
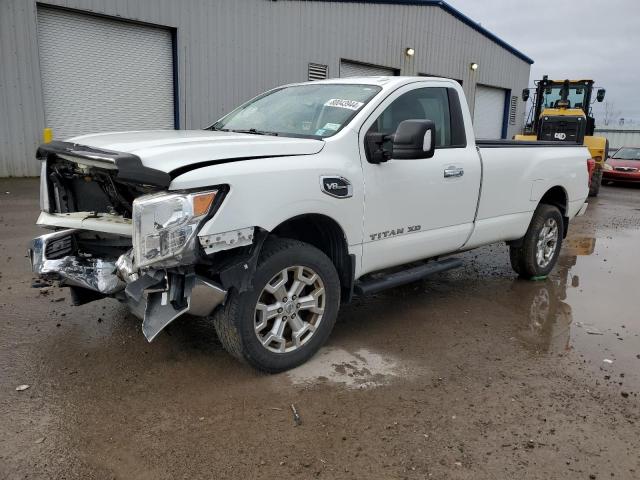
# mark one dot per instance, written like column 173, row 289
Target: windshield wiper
column 253, row 131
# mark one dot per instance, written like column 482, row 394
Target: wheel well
column 325, row 234
column 557, row 196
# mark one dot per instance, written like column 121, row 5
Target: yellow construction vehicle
column 561, row 112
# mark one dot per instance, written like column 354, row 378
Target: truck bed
column 502, row 143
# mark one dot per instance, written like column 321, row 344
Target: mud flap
column 582, row 210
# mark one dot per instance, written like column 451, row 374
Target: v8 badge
column 336, row 186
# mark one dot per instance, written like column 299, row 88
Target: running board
column 406, row 276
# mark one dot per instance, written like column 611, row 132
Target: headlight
column 44, row 189
column 607, row 167
column 165, row 227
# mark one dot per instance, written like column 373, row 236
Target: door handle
column 453, row 172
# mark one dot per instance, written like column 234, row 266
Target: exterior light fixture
column 473, row 66
column 410, row 52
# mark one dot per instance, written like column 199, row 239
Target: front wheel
column 288, row 314
column 538, row 253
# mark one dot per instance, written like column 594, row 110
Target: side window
column 430, row 103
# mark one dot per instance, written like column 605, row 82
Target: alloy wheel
column 289, row 309
column 547, row 242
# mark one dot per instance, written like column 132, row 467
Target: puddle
column 550, row 316
column 591, row 304
column 605, row 303
column 549, row 320
column 360, row 369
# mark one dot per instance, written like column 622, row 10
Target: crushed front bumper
column 157, row 297
column 48, row 259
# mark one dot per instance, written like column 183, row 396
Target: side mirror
column 414, row 139
column 525, row 94
column 600, row 94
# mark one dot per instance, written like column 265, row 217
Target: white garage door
column 103, row 75
column 352, row 69
column 488, row 113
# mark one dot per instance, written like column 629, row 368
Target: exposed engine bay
column 75, row 187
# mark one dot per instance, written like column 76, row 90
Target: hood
column 620, row 162
column 171, row 150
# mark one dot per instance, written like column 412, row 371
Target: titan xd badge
column 335, row 186
column 394, row 232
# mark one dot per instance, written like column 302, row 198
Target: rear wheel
column 538, row 253
column 288, row 314
column 596, row 181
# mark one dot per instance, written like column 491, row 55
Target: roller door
column 103, row 75
column 353, row 69
column 488, row 114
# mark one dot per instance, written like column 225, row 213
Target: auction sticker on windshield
column 340, row 103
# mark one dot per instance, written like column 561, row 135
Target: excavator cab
column 561, row 112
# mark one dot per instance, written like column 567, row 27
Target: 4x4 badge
column 336, row 186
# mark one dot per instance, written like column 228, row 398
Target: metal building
column 620, row 137
column 84, row 66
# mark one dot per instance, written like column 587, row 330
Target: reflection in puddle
column 606, row 304
column 549, row 316
column 360, row 369
column 593, row 287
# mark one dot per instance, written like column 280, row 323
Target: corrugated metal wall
column 132, row 77
column 230, row 50
column 620, row 137
column 21, row 106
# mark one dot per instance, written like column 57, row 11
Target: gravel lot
column 473, row 374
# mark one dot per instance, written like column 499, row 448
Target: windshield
column 553, row 95
column 312, row 110
column 628, row 154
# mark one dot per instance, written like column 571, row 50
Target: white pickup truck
column 295, row 202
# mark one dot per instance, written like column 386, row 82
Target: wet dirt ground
column 473, row 374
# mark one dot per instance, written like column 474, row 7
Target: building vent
column 513, row 109
column 318, row 72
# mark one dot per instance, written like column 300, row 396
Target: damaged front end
column 138, row 243
column 156, row 296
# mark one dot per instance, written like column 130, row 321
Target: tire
column 246, row 323
column 525, row 259
column 596, row 181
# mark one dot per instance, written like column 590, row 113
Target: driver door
column 416, row 209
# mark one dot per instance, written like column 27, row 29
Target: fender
column 239, row 273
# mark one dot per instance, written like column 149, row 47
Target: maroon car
column 623, row 166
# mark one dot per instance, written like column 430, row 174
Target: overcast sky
column 572, row 39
